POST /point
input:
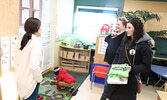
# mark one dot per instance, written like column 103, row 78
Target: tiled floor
column 7, row 85
column 85, row 93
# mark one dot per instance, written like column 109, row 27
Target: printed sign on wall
column 102, row 46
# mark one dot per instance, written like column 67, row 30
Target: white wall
column 62, row 18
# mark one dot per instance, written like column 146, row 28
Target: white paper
column 116, row 80
column 26, row 3
column 14, row 40
column 36, row 4
column 5, row 44
column 25, row 15
column 12, row 59
column 102, row 46
column 5, row 62
column 45, row 36
column 45, row 39
column 46, row 49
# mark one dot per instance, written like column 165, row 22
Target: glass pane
column 26, row 3
column 36, row 4
column 89, row 24
column 25, row 15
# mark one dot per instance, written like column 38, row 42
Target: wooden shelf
column 74, row 59
column 70, row 47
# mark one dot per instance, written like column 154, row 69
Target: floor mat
column 50, row 92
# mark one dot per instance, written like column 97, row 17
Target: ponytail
column 31, row 26
column 25, row 40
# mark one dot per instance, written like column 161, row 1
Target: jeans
column 104, row 95
column 34, row 95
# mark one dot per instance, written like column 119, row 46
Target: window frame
column 31, row 10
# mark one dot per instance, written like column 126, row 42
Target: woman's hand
column 114, row 34
column 123, row 78
column 129, row 68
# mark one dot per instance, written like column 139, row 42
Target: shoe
column 72, row 89
column 102, row 98
column 74, row 92
column 40, row 97
column 52, row 82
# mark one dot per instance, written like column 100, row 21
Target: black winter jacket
column 142, row 63
column 113, row 44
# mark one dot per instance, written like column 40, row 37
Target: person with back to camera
column 113, row 41
column 135, row 51
column 29, row 61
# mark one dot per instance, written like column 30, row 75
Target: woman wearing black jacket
column 113, row 41
column 139, row 51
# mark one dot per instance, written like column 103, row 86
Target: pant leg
column 105, row 83
column 67, row 85
column 34, row 95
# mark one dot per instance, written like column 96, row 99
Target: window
column 29, row 8
column 89, row 21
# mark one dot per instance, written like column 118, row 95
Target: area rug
column 50, row 92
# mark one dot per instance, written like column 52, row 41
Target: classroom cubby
column 74, row 59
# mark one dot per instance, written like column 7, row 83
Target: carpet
column 79, row 77
column 50, row 92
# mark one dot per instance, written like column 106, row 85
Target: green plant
column 156, row 34
column 144, row 15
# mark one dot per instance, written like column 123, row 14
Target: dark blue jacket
column 113, row 44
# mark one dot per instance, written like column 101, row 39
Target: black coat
column 142, row 63
column 113, row 44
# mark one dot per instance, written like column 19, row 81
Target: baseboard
column 44, row 72
column 50, row 69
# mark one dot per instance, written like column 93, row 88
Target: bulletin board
column 9, row 29
column 101, row 46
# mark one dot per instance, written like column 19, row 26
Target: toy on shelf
column 107, row 30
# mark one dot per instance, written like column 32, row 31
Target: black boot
column 74, row 92
column 72, row 89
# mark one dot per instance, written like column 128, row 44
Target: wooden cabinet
column 74, row 59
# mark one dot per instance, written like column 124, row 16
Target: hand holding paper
column 129, row 67
column 119, row 74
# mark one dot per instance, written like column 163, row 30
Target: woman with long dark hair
column 136, row 49
column 29, row 61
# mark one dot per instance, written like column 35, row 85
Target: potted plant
column 158, row 34
column 144, row 15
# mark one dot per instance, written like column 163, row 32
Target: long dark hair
column 138, row 30
column 31, row 26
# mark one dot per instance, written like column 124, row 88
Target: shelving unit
column 74, row 59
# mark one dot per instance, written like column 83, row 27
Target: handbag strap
column 127, row 55
column 138, row 75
